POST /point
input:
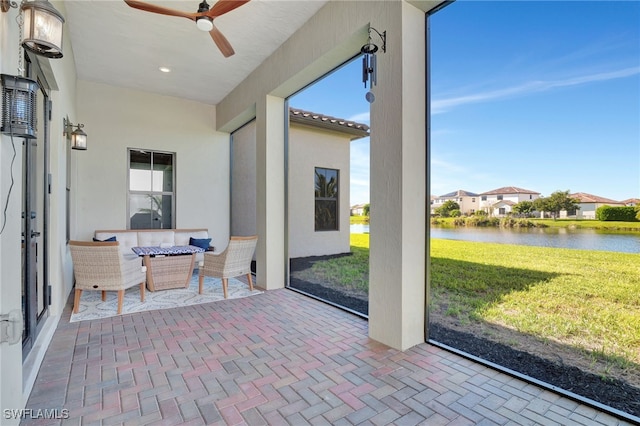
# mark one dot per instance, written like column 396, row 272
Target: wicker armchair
column 100, row 266
column 234, row 261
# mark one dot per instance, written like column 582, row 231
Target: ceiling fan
column 203, row 18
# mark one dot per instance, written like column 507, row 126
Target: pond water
column 582, row 239
column 359, row 228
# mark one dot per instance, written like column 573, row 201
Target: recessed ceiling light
column 165, row 69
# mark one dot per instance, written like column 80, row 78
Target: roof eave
column 328, row 125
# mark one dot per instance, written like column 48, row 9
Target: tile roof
column 589, row 198
column 509, row 190
column 459, row 193
column 354, row 128
column 631, row 201
column 504, row 202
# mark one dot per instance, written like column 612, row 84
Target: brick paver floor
column 274, row 359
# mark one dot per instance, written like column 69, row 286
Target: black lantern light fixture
column 77, row 137
column 19, row 106
column 369, row 61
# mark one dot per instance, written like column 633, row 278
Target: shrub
column 486, row 221
column 618, row 214
column 516, row 223
column 460, row 221
column 455, row 213
column 480, row 213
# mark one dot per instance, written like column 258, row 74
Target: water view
column 581, row 239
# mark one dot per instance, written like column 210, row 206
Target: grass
column 570, row 223
column 589, row 224
column 585, row 299
column 356, row 220
column 351, row 273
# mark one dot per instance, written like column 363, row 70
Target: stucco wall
column 243, row 181
column 308, row 149
column 116, row 119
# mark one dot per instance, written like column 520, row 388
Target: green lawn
column 349, row 272
column 354, row 220
column 589, row 224
column 585, row 299
column 570, row 223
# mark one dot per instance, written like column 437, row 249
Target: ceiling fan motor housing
column 204, row 23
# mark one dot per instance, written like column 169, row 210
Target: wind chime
column 369, row 62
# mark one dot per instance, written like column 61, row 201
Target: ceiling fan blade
column 148, row 7
column 224, row 6
column 221, row 41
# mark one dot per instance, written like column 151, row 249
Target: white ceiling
column 118, row 45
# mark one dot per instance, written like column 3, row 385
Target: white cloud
column 443, row 105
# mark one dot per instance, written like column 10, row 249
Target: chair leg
column 224, row 287
column 76, row 300
column 142, row 291
column 120, row 300
column 250, row 281
column 104, row 296
column 200, row 281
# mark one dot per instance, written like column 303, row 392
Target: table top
column 166, row 251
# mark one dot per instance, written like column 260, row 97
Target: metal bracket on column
column 11, row 326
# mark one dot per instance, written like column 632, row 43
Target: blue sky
column 540, row 95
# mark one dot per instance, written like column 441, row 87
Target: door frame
column 34, row 318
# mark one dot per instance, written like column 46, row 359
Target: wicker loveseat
column 129, row 238
column 169, row 263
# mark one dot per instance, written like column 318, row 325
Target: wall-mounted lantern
column 77, row 137
column 41, row 26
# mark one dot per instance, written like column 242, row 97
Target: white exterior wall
column 493, row 199
column 587, row 210
column 308, row 149
column 116, row 119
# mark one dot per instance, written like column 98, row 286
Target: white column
column 398, row 183
column 270, row 194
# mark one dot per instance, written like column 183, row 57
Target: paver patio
column 277, row 358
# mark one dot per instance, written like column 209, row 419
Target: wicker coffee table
column 168, row 267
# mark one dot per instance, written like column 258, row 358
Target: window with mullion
column 326, row 199
column 151, row 190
